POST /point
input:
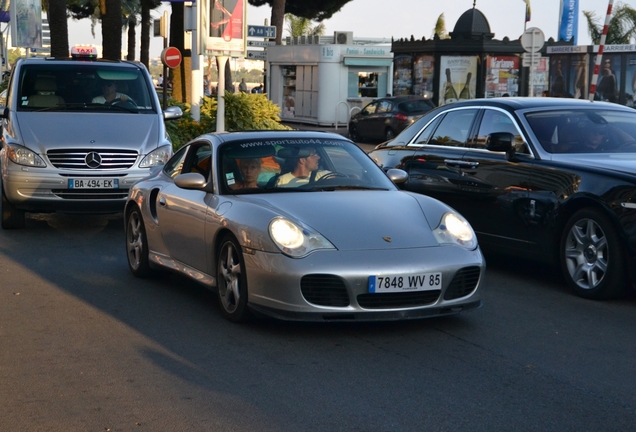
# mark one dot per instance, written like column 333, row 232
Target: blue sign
column 569, row 20
column 261, row 31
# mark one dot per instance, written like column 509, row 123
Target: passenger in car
column 250, row 170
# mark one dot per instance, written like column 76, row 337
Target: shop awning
column 367, row 61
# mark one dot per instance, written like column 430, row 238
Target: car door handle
column 162, row 202
column 461, row 163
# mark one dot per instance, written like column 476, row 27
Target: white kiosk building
column 321, row 80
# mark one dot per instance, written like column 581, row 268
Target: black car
column 544, row 178
column 384, row 118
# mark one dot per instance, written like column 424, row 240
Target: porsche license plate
column 93, row 183
column 400, row 283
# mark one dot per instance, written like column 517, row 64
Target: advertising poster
column 502, row 76
column 578, row 83
column 27, row 31
column 402, row 75
column 630, row 81
column 609, row 78
column 541, row 78
column 558, row 85
column 457, row 78
column 224, row 27
column 424, row 68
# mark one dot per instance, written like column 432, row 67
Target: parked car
column 384, row 118
column 330, row 245
column 543, row 178
column 66, row 147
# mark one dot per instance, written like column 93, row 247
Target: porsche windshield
column 298, row 165
column 81, row 86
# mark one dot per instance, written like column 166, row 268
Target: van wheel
column 592, row 259
column 12, row 218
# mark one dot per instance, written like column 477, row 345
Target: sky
column 403, row 18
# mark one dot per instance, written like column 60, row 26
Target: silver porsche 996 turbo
column 301, row 226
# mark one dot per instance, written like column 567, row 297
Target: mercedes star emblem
column 93, row 160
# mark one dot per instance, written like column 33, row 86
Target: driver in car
column 110, row 94
column 305, row 169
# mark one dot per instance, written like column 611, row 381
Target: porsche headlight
column 295, row 241
column 454, row 229
column 156, row 157
column 23, row 156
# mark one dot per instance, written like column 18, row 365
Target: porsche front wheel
column 232, row 281
column 137, row 244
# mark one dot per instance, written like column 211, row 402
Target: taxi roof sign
column 85, row 52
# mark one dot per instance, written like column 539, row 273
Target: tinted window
column 385, row 106
column 584, row 131
column 498, row 121
column 454, row 128
column 370, row 109
column 416, row 106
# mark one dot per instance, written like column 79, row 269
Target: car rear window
column 416, row 106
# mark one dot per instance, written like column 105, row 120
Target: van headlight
column 156, row 157
column 23, row 156
column 295, row 241
column 454, row 229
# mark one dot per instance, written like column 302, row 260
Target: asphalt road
column 84, row 346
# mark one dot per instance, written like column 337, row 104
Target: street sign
column 527, row 62
column 261, row 31
column 260, row 43
column 532, row 40
column 171, row 57
column 531, row 55
column 257, row 55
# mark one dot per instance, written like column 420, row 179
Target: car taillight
column 401, row 117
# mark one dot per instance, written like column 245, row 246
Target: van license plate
column 93, row 183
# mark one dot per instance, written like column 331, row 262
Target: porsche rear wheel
column 592, row 259
column 232, row 281
column 137, row 245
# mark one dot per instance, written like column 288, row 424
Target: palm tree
column 440, row 27
column 56, row 14
column 298, row 26
column 131, row 10
column 621, row 29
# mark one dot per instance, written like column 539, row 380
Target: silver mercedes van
column 76, row 134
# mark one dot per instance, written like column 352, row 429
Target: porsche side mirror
column 194, row 181
column 397, row 176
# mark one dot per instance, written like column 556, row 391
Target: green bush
column 243, row 111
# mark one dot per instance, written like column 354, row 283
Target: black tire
column 137, row 245
column 389, row 134
column 592, row 257
column 12, row 218
column 354, row 135
column 231, row 281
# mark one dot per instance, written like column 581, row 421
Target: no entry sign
column 171, row 57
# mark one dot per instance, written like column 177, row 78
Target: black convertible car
column 545, row 178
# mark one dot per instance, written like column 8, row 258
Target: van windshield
column 80, row 86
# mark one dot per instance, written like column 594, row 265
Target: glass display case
column 289, row 91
